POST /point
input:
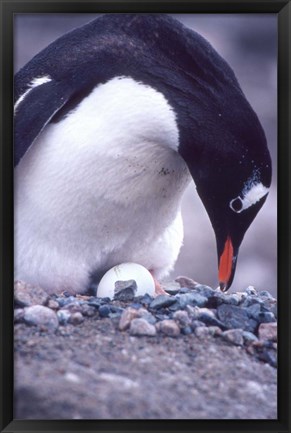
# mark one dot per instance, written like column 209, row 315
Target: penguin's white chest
column 101, row 186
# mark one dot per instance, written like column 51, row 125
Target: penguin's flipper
column 33, row 112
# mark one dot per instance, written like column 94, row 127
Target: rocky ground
column 196, row 353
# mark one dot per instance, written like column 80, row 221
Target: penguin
column 112, row 122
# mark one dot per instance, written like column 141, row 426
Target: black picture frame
column 8, row 8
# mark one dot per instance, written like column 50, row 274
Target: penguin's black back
column 154, row 49
column 121, row 43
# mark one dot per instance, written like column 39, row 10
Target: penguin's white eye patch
column 251, row 194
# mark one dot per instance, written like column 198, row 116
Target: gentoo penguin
column 112, row 121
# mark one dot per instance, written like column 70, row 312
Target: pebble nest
column 247, row 319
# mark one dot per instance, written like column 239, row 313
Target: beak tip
column 223, row 286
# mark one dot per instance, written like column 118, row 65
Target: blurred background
column 248, row 42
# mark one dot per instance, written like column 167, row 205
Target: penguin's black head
column 231, row 166
column 220, row 139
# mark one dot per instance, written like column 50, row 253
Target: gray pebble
column 270, row 305
column 186, row 330
column 270, row 356
column 162, row 301
column 126, row 317
column 254, row 311
column 260, row 313
column 104, row 310
column 73, row 307
column 186, row 282
column 54, row 305
column 145, row 314
column 250, row 290
column 234, row 317
column 233, row 299
column 76, row 318
column 62, row 301
column 182, row 318
column 171, row 291
column 205, row 311
column 204, row 290
column 219, row 298
column 209, row 319
column 216, row 299
column 265, row 293
column 26, row 295
column 125, row 290
column 63, row 316
column 95, row 300
column 268, row 331
column 251, row 300
column 174, row 307
column 184, row 290
column 249, row 337
column 168, row 327
column 192, row 311
column 265, row 351
column 234, row 336
column 116, row 310
column 241, row 295
column 171, row 287
column 18, row 314
column 192, row 298
column 41, row 316
column 88, row 310
column 266, row 317
column 140, row 327
column 145, row 299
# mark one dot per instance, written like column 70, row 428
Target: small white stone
column 126, row 317
column 41, row 316
column 168, row 327
column 142, row 327
column 234, row 336
column 119, row 381
column 72, row 377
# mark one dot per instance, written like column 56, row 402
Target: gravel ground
column 194, row 354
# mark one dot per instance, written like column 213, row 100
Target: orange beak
column 225, row 265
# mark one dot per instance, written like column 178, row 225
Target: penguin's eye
column 251, row 194
column 236, row 205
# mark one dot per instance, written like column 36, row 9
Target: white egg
column 124, row 272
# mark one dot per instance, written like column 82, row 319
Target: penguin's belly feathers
column 101, row 186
